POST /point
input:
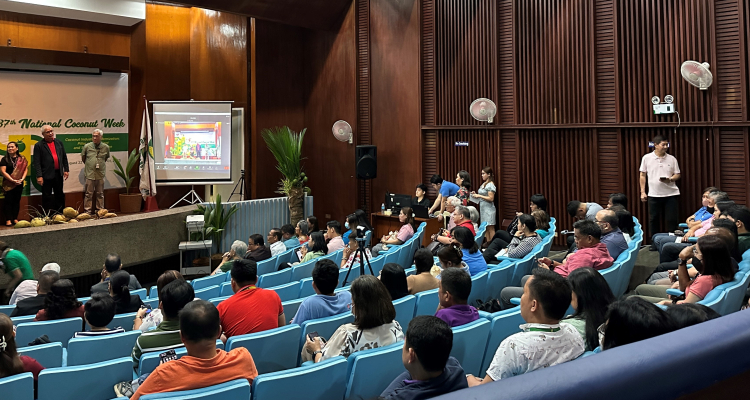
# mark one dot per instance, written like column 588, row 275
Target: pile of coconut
column 69, row 215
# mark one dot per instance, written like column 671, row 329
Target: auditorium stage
column 80, row 248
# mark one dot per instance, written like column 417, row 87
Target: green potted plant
column 215, row 220
column 286, row 146
column 129, row 203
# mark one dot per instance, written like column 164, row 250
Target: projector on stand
column 195, row 224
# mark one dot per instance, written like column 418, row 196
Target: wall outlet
column 663, row 109
column 328, row 216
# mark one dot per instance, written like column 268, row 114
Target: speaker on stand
column 366, row 161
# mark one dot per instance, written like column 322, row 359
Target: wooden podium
column 382, row 224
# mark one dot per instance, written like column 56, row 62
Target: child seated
column 98, row 312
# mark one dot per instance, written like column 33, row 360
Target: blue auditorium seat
column 153, row 294
column 238, row 389
column 7, row 310
column 322, row 381
column 208, row 281
column 92, row 381
column 405, row 310
column 427, row 302
column 497, row 279
column 324, row 326
column 18, row 387
column 60, row 330
column 142, row 293
column 149, row 361
column 216, row 300
column 478, row 287
column 207, row 293
column 50, row 355
column 470, row 343
column 377, row 264
column 272, row 350
column 353, row 273
column 287, row 291
column 124, row 321
column 504, row 324
column 303, row 270
column 392, row 255
column 275, row 278
column 225, row 289
column 291, row 307
column 89, row 350
column 22, row 319
column 371, row 371
column 284, row 257
column 264, row 267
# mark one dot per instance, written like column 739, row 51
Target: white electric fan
column 342, row 131
column 697, row 74
column 483, row 110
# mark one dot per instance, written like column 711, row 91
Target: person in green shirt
column 16, row 265
column 94, row 156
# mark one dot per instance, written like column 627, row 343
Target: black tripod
column 241, row 186
column 362, row 260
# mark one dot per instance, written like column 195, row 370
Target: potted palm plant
column 215, row 220
column 129, row 203
column 286, row 146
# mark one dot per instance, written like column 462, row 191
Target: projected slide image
column 192, row 141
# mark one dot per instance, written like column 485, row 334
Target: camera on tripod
column 361, row 233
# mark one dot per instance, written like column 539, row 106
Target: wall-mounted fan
column 697, row 74
column 483, row 110
column 342, row 131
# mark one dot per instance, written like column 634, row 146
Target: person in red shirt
column 250, row 309
column 204, row 365
column 51, row 169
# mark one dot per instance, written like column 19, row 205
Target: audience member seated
column 453, row 292
column 354, row 221
column 204, row 365
column 61, row 302
column 461, row 217
column 250, row 309
column 351, row 226
column 740, row 215
column 714, row 269
column 335, row 242
column 113, row 264
column 374, row 324
column 256, row 249
column 471, row 254
column 394, row 279
column 430, row 371
column 536, row 202
column 118, row 289
column 591, row 253
column 450, row 207
column 28, row 288
column 669, row 246
column 32, row 305
column 523, row 241
column 542, row 220
column 474, row 217
column 625, row 222
column 632, row 320
column 302, row 231
column 172, row 298
column 583, row 211
column 590, row 299
column 10, row 362
column 688, row 314
column 288, row 236
column 148, row 321
column 450, row 257
column 312, row 224
column 612, row 236
column 275, row 243
column 351, row 256
column 236, row 252
column 421, row 196
column 422, row 280
column 406, row 218
column 693, row 222
column 545, row 341
column 316, row 247
column 617, row 199
column 463, row 180
column 98, row 313
column 325, row 303
column 444, row 189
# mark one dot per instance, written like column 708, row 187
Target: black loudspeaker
column 366, row 160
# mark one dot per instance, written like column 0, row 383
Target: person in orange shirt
column 204, row 365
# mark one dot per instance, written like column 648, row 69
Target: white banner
column 74, row 105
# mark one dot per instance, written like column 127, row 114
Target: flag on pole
column 146, row 149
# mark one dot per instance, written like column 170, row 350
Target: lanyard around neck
column 544, row 329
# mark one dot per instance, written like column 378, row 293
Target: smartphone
column 664, row 178
column 168, row 355
column 312, row 335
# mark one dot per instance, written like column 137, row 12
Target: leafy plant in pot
column 286, row 146
column 215, row 219
column 129, row 203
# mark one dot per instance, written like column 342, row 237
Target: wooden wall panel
column 428, row 63
column 729, row 81
column 609, row 162
column 364, row 123
column 733, row 150
column 507, row 176
column 507, row 70
column 606, row 62
column 430, row 160
column 554, row 61
column 465, row 55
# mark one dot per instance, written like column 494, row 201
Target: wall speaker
column 366, row 160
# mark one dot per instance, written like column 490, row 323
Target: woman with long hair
column 450, row 256
column 471, row 254
column 302, row 231
column 146, row 322
column 486, row 196
column 10, row 362
column 542, row 222
column 394, row 279
column 536, row 202
column 632, row 320
column 118, row 289
column 374, row 324
column 14, row 168
column 316, row 248
column 61, row 302
column 463, row 180
column 591, row 299
column 406, row 217
column 312, row 222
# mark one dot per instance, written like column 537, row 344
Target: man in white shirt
column 544, row 341
column 333, row 233
column 274, row 242
column 662, row 171
column 28, row 288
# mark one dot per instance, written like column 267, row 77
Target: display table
column 382, row 224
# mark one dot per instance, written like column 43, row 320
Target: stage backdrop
column 74, row 105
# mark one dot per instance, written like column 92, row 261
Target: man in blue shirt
column 287, row 235
column 325, row 304
column 445, row 189
column 611, row 234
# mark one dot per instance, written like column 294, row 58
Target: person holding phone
column 661, row 170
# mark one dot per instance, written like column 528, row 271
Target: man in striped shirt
column 98, row 313
column 173, row 297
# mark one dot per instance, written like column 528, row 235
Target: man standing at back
column 51, row 167
column 112, row 264
column 250, row 309
column 661, row 171
column 94, row 156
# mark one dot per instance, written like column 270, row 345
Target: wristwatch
column 316, row 353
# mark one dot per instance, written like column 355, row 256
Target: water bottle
column 382, row 208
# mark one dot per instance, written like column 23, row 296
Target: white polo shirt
column 660, row 167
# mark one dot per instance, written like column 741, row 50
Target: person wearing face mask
column 662, row 171
column 693, row 221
